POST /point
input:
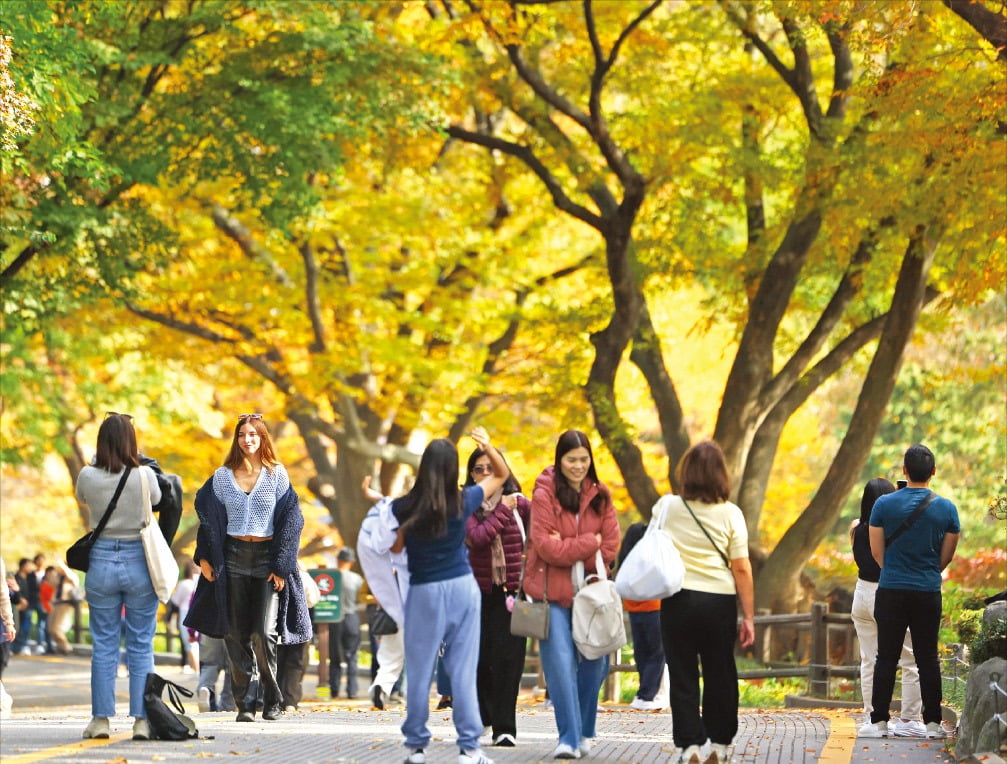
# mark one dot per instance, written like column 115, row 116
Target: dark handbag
column 78, row 556
column 381, row 623
column 165, row 723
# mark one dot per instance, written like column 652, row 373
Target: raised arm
column 493, row 482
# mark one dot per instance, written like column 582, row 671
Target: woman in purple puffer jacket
column 495, row 535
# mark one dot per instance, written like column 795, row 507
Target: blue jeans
column 118, row 579
column 572, row 680
column 448, row 612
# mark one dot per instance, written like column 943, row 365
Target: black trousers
column 501, row 664
column 896, row 610
column 291, row 663
column 700, row 627
column 252, row 606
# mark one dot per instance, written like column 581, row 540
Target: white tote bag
column 598, row 624
column 160, row 561
column 653, row 569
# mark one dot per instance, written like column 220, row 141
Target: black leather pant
column 252, row 606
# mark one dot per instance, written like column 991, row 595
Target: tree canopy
column 390, row 219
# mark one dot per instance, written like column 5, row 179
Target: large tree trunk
column 777, row 579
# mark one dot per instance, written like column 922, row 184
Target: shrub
column 990, row 642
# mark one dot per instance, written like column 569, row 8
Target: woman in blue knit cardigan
column 250, row 592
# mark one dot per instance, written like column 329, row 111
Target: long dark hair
column 875, row 488
column 116, row 444
column 236, row 457
column 702, row 473
column 568, row 498
column 434, row 496
column 511, row 485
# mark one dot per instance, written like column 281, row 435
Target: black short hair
column 919, row 462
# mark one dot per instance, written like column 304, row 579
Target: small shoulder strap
column 706, row 533
column 912, row 518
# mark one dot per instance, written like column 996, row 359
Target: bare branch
column 235, row 230
column 526, row 155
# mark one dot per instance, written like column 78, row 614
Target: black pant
column 501, row 664
column 252, row 606
column 895, row 610
column 291, row 663
column 344, row 644
column 701, row 627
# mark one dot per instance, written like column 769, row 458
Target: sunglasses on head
column 249, row 416
column 116, row 413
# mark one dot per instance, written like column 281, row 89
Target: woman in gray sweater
column 117, row 586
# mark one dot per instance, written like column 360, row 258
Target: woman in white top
column 120, row 596
column 700, row 623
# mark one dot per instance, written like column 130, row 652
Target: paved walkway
column 51, row 709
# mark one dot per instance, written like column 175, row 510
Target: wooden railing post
column 818, row 669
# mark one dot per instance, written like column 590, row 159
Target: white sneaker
column 97, row 728
column 416, row 757
column 718, row 754
column 935, row 731
column 141, row 730
column 646, row 705
column 902, row 728
column 473, row 757
column 585, row 746
column 204, row 700
column 564, row 751
column 690, row 755
column 873, row 730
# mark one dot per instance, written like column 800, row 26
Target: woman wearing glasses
column 495, row 534
column 250, row 592
column 118, row 587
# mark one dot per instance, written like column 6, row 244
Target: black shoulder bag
column 707, row 534
column 78, row 556
column 911, row 519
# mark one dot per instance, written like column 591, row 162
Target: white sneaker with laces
column 585, row 746
column 905, row 728
column 690, row 755
column 718, row 754
column 416, row 757
column 473, row 757
column 873, row 730
column 935, row 731
column 204, row 700
column 564, row 751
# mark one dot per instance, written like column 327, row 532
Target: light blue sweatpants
column 443, row 612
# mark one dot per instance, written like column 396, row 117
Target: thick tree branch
column 991, row 26
column 526, row 155
column 235, row 230
column 311, row 298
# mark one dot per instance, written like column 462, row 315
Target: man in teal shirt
column 912, row 547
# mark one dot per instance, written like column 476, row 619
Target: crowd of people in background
column 442, row 567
